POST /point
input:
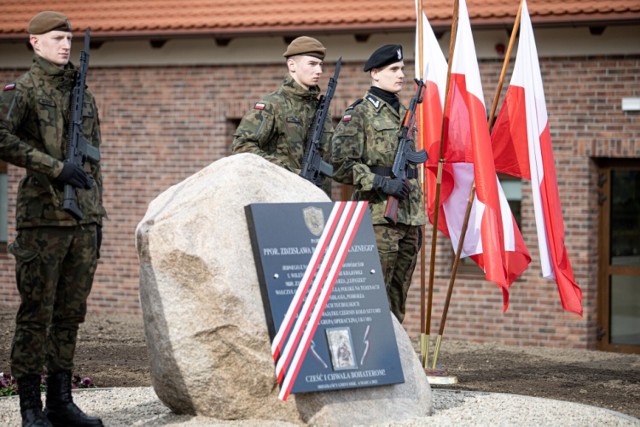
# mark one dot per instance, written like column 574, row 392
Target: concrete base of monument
column 440, row 377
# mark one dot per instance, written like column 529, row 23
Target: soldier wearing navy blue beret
column 364, row 146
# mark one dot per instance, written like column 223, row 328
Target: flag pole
column 441, row 160
column 454, row 271
column 505, row 63
column 467, row 214
column 423, row 183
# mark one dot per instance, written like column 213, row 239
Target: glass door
column 619, row 279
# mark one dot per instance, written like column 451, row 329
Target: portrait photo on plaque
column 341, row 348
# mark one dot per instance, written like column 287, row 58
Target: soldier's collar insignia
column 375, row 101
column 260, row 106
column 10, row 86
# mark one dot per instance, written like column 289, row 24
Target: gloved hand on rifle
column 75, row 176
column 396, row 187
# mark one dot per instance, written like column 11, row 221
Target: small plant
column 82, row 382
column 9, row 385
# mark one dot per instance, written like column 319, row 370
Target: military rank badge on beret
column 260, row 106
column 10, row 86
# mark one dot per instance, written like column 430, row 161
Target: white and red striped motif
column 340, row 231
column 305, row 282
column 300, row 317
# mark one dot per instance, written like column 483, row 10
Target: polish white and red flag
column 434, row 74
column 493, row 239
column 522, row 147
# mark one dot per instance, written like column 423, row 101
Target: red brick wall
column 162, row 124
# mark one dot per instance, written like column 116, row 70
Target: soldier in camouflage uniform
column 56, row 255
column 278, row 125
column 363, row 149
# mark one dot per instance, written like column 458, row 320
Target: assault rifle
column 78, row 149
column 405, row 154
column 314, row 168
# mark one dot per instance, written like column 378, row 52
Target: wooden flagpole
column 507, row 57
column 423, row 183
column 441, row 160
column 467, row 214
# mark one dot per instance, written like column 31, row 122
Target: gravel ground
column 139, row 406
column 498, row 385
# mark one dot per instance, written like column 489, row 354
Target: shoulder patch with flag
column 346, row 118
column 10, row 86
column 260, row 106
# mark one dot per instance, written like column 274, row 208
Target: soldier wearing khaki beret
column 277, row 126
column 364, row 146
column 56, row 254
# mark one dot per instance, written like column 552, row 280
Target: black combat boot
column 60, row 409
column 31, row 402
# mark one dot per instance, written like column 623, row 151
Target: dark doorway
column 619, row 260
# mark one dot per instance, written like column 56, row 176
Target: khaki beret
column 305, row 46
column 385, row 55
column 47, row 21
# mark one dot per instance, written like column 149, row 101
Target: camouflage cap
column 385, row 55
column 47, row 21
column 305, row 46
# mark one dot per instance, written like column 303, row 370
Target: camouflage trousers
column 54, row 274
column 398, row 249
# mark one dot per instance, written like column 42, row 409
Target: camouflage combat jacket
column 278, row 126
column 34, row 113
column 367, row 136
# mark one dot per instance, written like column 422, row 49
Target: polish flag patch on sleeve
column 346, row 118
column 10, row 86
column 260, row 106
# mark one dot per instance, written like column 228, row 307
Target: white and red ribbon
column 316, row 285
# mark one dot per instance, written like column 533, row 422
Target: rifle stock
column 391, row 211
column 405, row 154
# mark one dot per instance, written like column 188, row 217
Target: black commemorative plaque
column 353, row 343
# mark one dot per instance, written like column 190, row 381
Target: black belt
column 385, row 171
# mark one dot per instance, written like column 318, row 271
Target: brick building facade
column 162, row 123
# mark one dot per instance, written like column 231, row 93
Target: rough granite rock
column 204, row 320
